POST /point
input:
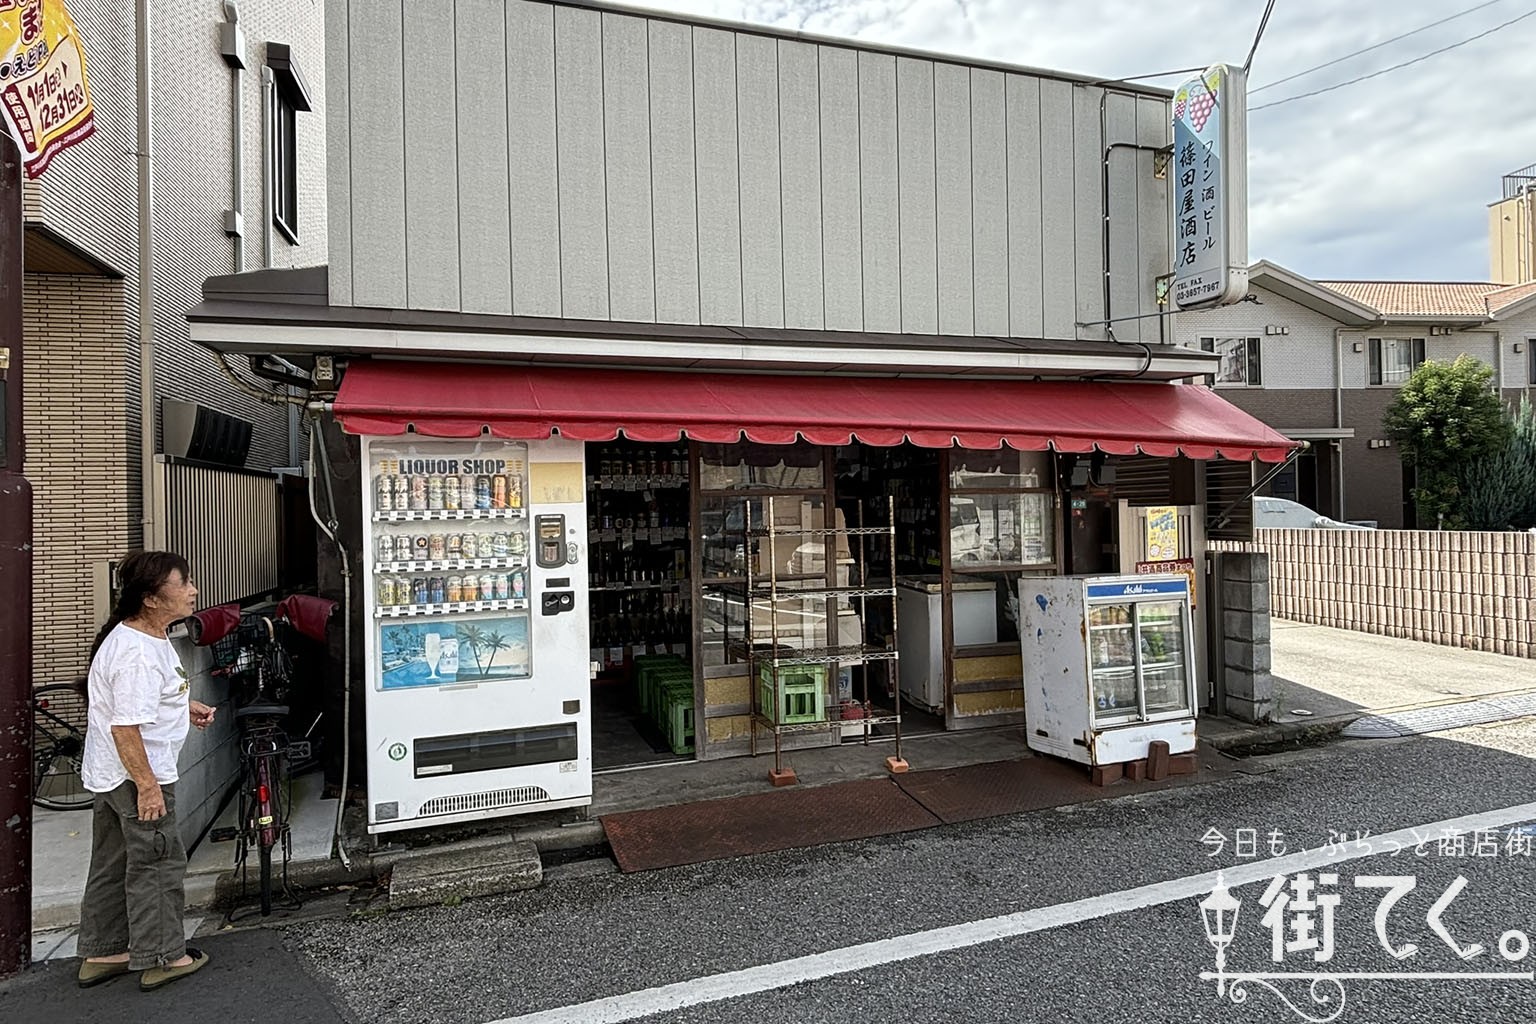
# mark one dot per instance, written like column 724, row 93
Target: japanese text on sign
column 1210, row 258
column 44, row 98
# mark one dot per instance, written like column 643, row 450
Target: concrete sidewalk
column 1325, row 679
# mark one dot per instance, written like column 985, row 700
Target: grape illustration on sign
column 1210, row 180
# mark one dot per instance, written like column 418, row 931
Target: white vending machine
column 1107, row 665
column 477, row 652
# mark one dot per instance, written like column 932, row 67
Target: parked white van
column 1284, row 514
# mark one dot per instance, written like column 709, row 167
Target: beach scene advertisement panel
column 441, row 653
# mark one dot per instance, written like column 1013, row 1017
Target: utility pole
column 15, row 593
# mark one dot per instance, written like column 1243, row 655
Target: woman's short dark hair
column 142, row 574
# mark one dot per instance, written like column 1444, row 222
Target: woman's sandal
column 96, row 972
column 158, row 976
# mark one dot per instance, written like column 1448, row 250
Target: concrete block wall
column 81, row 441
column 1455, row 588
column 1245, row 604
column 210, row 760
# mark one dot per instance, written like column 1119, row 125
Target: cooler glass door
column 1164, row 659
column 1112, row 661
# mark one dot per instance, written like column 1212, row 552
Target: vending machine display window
column 448, row 553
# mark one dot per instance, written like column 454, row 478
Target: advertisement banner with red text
column 44, row 98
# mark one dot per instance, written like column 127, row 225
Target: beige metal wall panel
column 719, row 179
column 843, row 289
column 1088, row 204
column 800, row 160
column 431, row 159
column 674, row 198
column 485, row 218
column 627, row 144
column 534, row 168
column 1026, row 270
column 689, row 174
column 579, row 148
column 338, row 152
column 302, row 25
column 1152, row 237
column 952, row 201
column 916, row 190
column 1124, row 252
column 194, row 160
column 1511, row 248
column 879, row 209
column 376, row 38
column 762, row 229
column 1058, row 223
column 989, row 201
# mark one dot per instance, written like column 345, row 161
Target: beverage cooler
column 477, row 645
column 1107, row 666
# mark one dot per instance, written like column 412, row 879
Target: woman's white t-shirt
column 135, row 679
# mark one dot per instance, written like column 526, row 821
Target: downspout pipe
column 1338, row 413
column 329, row 525
column 268, row 172
column 232, row 49
column 150, row 520
column 1109, row 149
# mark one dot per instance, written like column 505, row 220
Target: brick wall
column 1459, row 589
column 79, row 430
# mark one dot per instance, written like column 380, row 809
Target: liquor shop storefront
column 763, row 366
column 645, row 498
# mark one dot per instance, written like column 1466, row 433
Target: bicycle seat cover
column 271, row 710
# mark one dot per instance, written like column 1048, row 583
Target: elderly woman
column 140, row 710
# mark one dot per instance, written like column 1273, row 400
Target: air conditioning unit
column 192, row 431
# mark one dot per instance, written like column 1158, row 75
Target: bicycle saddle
column 266, row 710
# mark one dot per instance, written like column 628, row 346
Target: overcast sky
column 1386, row 179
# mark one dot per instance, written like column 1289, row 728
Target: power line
column 1395, row 67
column 1373, row 46
column 1258, row 35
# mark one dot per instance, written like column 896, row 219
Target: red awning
column 1122, row 418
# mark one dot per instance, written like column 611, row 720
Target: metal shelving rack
column 772, row 591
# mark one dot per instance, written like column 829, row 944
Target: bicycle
column 59, row 717
column 254, row 656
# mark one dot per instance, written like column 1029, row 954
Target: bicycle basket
column 239, row 652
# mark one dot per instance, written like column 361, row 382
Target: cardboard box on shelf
column 797, row 553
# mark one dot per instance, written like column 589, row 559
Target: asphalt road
column 1132, row 954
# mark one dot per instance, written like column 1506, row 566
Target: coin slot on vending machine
column 549, row 532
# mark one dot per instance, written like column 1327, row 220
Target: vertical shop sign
column 44, row 98
column 1162, row 533
column 1210, row 189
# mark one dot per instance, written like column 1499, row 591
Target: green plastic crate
column 802, row 694
column 678, row 723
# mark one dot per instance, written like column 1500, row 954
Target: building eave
column 1309, row 294
column 285, row 313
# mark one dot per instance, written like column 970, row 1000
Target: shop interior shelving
column 783, row 704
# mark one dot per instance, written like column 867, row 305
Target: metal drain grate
column 484, row 801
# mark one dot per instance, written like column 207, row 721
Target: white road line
column 815, row 966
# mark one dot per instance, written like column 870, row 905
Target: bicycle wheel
column 59, row 715
column 266, row 880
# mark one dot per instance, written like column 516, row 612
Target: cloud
column 1387, row 178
